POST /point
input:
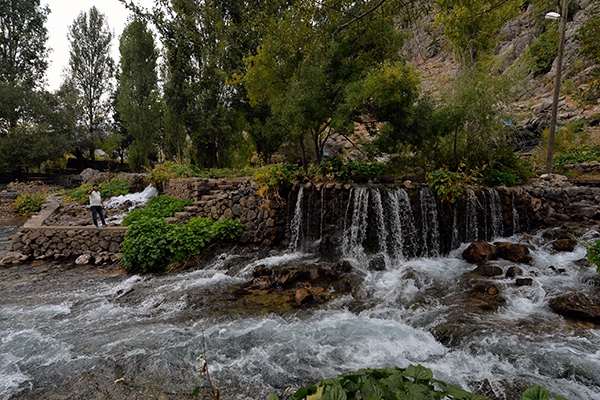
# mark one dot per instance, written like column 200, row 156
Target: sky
column 63, row 13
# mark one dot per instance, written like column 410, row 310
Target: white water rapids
column 87, row 333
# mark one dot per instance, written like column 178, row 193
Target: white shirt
column 95, row 198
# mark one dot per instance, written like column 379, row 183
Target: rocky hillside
column 533, row 107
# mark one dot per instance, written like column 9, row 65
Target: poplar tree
column 138, row 99
column 90, row 71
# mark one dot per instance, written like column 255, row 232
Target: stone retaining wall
column 55, row 242
column 264, row 219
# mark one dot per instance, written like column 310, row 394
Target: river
column 97, row 333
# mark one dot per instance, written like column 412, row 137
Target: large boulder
column 564, row 245
column 513, row 252
column 577, row 306
column 479, row 251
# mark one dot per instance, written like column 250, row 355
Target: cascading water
column 515, row 215
column 471, row 226
column 494, row 222
column 429, row 222
column 296, row 224
column 80, row 332
column 132, row 200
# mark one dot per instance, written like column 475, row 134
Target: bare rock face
column 479, row 251
column 576, row 306
column 488, row 270
column 513, row 252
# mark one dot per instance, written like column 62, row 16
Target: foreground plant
column 412, row 383
column 29, row 203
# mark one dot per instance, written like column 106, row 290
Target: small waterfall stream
column 89, row 333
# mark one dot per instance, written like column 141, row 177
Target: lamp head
column 552, row 15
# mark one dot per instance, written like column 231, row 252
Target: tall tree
column 90, row 70
column 138, row 99
column 23, row 56
column 315, row 59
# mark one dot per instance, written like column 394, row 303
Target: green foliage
column 540, row 393
column 578, row 155
column 472, row 26
column 507, row 169
column 29, row 203
column 593, row 253
column 451, row 185
column 356, row 170
column 272, row 178
column 191, row 238
column 227, row 229
column 412, row 383
column 138, row 97
column 171, row 170
column 151, row 243
column 145, row 247
column 543, row 51
column 157, row 207
column 112, row 188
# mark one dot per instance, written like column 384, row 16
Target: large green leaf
column 418, row 373
column 372, row 391
column 536, row 393
column 334, row 392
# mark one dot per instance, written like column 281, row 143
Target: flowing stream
column 71, row 332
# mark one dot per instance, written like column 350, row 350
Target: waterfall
column 495, row 215
column 515, row 215
column 381, row 229
column 352, row 245
column 430, row 231
column 455, row 234
column 471, row 226
column 295, row 226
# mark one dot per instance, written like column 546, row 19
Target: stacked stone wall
column 55, row 242
column 264, row 219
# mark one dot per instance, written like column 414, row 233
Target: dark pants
column 97, row 209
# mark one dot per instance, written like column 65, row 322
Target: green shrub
column 226, row 230
column 357, row 170
column 576, row 156
column 151, row 243
column 413, row 382
column 500, row 178
column 145, row 247
column 157, row 207
column 191, row 238
column 449, row 185
column 543, row 51
column 29, row 203
column 170, row 170
column 115, row 187
column 272, row 178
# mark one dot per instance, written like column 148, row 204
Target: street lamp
column 561, row 45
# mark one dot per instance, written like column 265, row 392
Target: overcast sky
column 62, row 15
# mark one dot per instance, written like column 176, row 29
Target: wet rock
column 577, row 306
column 513, row 252
column 564, row 245
column 262, row 282
column 514, row 271
column 488, row 270
column 524, row 281
column 303, row 296
column 479, row 251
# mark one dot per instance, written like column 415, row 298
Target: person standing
column 96, row 205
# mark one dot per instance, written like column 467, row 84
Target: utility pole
column 557, row 80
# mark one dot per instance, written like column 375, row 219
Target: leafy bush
column 171, row 170
column 227, row 229
column 151, row 243
column 500, row 178
column 157, row 207
column 507, row 169
column 356, row 170
column 29, row 203
column 115, row 187
column 272, row 178
column 191, row 238
column 413, row 382
column 449, row 185
column 576, row 156
column 145, row 247
column 543, row 51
